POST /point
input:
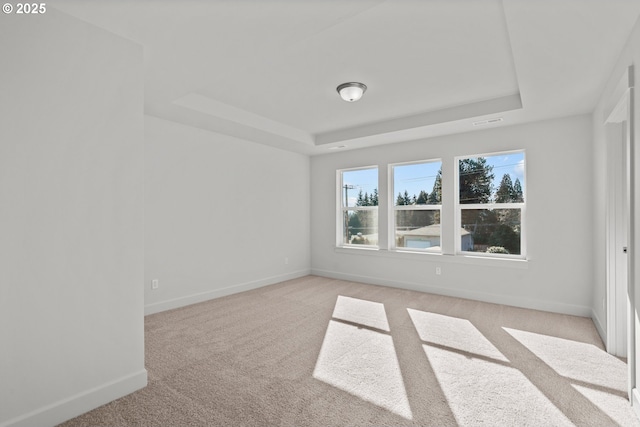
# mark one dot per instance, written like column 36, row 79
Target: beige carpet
column 322, row 352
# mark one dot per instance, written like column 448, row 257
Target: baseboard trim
column 553, row 307
column 635, row 402
column 80, row 403
column 158, row 307
column 599, row 327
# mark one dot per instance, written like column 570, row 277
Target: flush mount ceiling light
column 351, row 91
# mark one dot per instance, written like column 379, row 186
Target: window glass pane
column 417, row 184
column 493, row 231
column 418, row 229
column 492, row 179
column 361, row 227
column 360, row 187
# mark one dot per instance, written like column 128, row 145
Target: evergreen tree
column 423, row 198
column 518, row 196
column 399, row 200
column 361, row 221
column 374, row 197
column 355, row 225
column 508, row 218
column 407, row 198
column 366, row 199
column 506, row 237
column 505, row 191
column 435, row 198
column 480, row 223
column 475, row 181
column 505, row 232
column 476, row 177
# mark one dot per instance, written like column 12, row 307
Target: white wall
column 558, row 273
column 629, row 56
column 221, row 215
column 71, row 212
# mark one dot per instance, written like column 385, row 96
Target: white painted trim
column 416, row 208
column 599, row 327
column 621, row 110
column 339, row 212
column 623, row 85
column 222, row 111
column 71, row 407
column 632, row 236
column 468, row 258
column 610, row 230
column 157, row 307
column 555, row 307
column 635, row 402
column 398, row 129
column 360, row 208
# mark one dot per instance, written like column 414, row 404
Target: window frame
column 393, row 209
column 459, row 207
column 341, row 209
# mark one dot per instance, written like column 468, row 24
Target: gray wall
column 221, row 215
column 71, row 218
column 558, row 273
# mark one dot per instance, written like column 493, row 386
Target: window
column 490, row 206
column 416, row 202
column 358, row 214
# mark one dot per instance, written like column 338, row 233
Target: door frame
column 621, row 114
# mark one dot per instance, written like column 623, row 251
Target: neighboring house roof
column 428, row 231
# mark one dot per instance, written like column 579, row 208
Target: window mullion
column 448, row 213
column 417, row 207
column 492, row 206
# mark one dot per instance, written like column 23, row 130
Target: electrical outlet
column 154, row 284
column 438, row 271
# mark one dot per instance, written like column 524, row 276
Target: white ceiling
column 266, row 70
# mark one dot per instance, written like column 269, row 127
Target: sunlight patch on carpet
column 589, row 365
column 615, row 406
column 453, row 333
column 477, row 379
column 362, row 312
column 360, row 360
column 479, row 392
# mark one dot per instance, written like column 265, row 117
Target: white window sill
column 435, row 257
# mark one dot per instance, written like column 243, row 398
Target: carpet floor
column 321, row 352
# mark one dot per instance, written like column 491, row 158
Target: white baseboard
column 553, row 307
column 599, row 327
column 635, row 402
column 157, row 307
column 78, row 404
